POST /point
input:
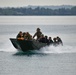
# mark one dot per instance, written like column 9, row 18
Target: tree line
column 37, row 11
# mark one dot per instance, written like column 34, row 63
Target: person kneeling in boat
column 50, row 41
column 38, row 33
column 46, row 40
column 59, row 41
column 42, row 39
column 20, row 36
column 55, row 42
column 27, row 36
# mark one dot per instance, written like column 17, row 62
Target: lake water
column 37, row 20
column 50, row 60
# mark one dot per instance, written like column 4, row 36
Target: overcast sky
column 16, row 3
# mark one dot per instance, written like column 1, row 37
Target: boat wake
column 59, row 49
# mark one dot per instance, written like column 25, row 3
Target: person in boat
column 38, row 33
column 50, row 41
column 55, row 42
column 28, row 36
column 59, row 41
column 24, row 35
column 46, row 39
column 20, row 36
column 42, row 39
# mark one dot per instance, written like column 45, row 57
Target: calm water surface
column 50, row 60
column 37, row 20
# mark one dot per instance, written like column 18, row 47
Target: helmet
column 38, row 28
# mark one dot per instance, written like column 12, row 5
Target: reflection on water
column 29, row 53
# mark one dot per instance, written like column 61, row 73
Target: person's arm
column 34, row 35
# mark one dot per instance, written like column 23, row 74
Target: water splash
column 59, row 49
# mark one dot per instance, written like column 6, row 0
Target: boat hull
column 27, row 45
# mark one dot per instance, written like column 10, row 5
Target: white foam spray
column 58, row 49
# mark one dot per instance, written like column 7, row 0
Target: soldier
column 38, row 34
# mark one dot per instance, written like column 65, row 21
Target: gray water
column 50, row 60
